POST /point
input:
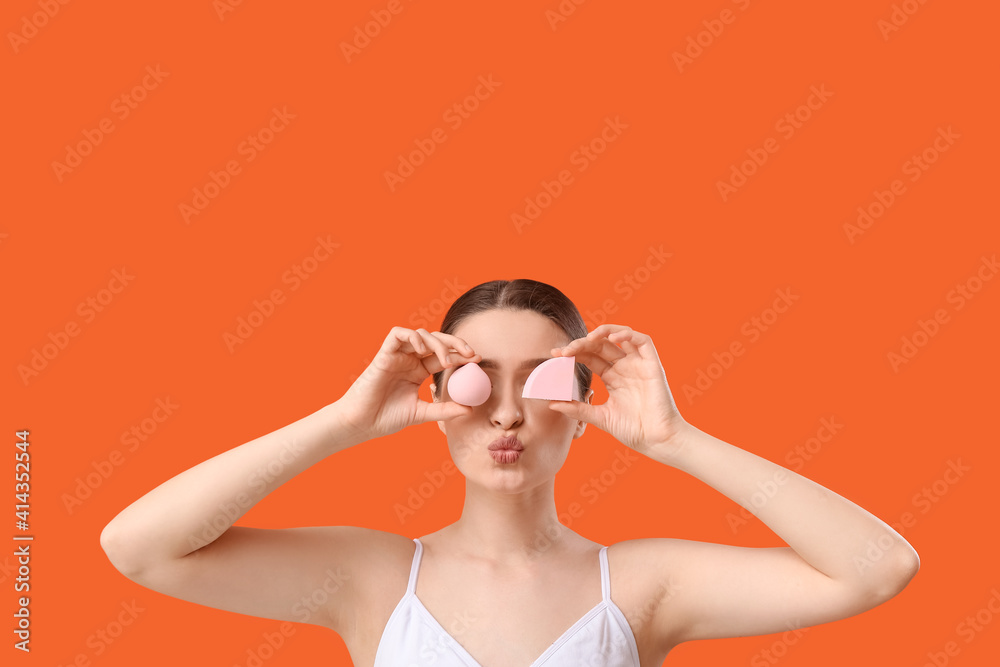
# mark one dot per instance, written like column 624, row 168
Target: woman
column 489, row 591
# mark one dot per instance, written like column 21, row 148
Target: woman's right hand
column 384, row 398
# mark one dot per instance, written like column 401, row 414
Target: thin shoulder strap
column 411, row 585
column 605, row 576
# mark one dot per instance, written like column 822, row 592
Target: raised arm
column 840, row 559
column 192, row 509
column 179, row 538
column 828, row 570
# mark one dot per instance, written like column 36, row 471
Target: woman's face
column 511, row 343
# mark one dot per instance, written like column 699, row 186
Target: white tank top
column 413, row 638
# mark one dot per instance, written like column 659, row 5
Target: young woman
column 507, row 584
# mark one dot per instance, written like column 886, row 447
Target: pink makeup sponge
column 469, row 385
column 552, row 379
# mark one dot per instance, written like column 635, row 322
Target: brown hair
column 519, row 294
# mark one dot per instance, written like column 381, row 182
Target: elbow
column 896, row 574
column 114, row 545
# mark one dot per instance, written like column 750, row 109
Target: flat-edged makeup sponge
column 552, row 379
column 469, row 385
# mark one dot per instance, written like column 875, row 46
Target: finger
column 445, row 351
column 635, row 342
column 594, row 362
column 443, row 411
column 457, row 343
column 405, row 341
column 436, row 346
column 585, row 412
column 595, row 351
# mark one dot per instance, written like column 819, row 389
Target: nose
column 505, row 405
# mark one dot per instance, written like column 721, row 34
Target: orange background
column 400, row 249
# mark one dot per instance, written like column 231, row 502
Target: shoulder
column 649, row 577
column 646, row 568
column 364, row 552
column 372, row 566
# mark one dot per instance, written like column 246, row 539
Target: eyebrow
column 526, row 364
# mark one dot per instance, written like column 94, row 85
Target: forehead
column 511, row 335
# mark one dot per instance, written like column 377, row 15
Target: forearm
column 198, row 505
column 826, row 530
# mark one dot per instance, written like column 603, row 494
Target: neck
column 511, row 528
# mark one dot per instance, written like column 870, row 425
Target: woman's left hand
column 640, row 411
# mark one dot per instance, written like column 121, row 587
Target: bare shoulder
column 680, row 590
column 317, row 574
column 373, row 564
column 645, row 579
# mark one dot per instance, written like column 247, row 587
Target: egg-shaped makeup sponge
column 469, row 385
column 552, row 379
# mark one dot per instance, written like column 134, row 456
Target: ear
column 581, row 425
column 435, row 398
